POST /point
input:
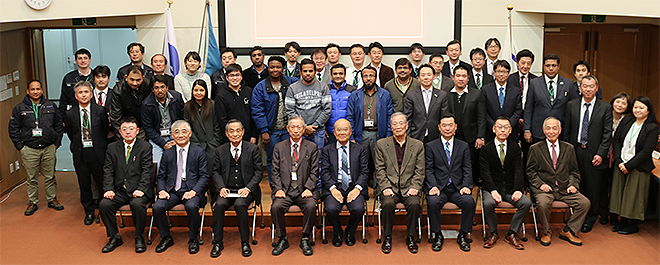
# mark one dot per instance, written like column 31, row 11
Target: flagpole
column 169, row 5
column 201, row 32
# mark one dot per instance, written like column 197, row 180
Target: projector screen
column 315, row 23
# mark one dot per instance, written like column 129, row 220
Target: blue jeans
column 275, row 137
column 157, row 151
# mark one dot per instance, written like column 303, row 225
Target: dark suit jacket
column 505, row 179
column 599, row 133
column 474, row 113
column 206, row 133
column 135, row 175
column 386, row 74
column 446, row 69
column 578, row 94
column 539, row 105
column 485, row 78
column 447, row 83
column 100, row 128
column 540, row 170
column 358, row 163
column 646, row 142
column 108, row 100
column 514, row 79
column 512, row 108
column 308, row 167
column 438, row 170
column 419, row 118
column 197, row 174
column 250, row 167
column 388, row 174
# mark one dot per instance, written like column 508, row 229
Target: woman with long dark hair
column 634, row 141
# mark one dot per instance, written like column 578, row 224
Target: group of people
column 330, row 132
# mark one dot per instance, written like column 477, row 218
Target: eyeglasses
column 502, row 127
column 342, row 130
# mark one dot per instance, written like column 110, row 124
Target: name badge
column 164, row 132
column 87, row 144
column 294, row 176
column 37, row 132
column 368, row 123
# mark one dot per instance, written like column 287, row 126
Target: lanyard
column 188, row 79
column 296, row 152
column 371, row 101
column 162, row 108
column 290, row 73
column 632, row 135
column 35, row 109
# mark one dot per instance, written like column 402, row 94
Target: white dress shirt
column 103, row 97
column 582, row 109
column 550, row 147
column 185, row 158
column 497, row 146
column 554, row 84
column 236, row 149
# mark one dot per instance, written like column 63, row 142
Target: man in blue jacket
column 340, row 91
column 268, row 110
column 159, row 110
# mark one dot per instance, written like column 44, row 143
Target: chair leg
column 419, row 229
column 428, row 229
column 324, row 241
column 151, row 225
column 380, row 227
column 272, row 234
column 483, row 218
column 536, row 227
column 373, row 214
column 261, row 207
column 121, row 218
column 201, row 226
column 524, row 232
column 254, row 224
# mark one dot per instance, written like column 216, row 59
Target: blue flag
column 212, row 52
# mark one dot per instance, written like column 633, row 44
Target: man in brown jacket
column 554, row 175
column 400, row 165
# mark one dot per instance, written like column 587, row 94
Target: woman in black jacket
column 634, row 141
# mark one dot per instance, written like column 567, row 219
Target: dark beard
column 369, row 87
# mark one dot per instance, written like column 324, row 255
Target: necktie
column 522, row 83
column 502, row 154
column 427, row 99
column 295, row 152
column 356, row 76
column 101, row 98
column 585, row 125
column 318, row 76
column 448, row 153
column 344, row 168
column 85, row 130
column 235, row 154
column 554, row 156
column 128, row 153
column 551, row 89
column 501, row 97
column 478, row 80
column 179, row 170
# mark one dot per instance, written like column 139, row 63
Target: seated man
column 344, row 174
column 237, row 178
column 553, row 174
column 449, row 179
column 182, row 178
column 399, row 179
column 127, row 180
column 295, row 176
column 504, row 180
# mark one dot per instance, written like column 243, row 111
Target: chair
column 400, row 207
column 127, row 207
column 449, row 206
column 555, row 205
column 252, row 207
column 344, row 209
column 504, row 207
column 179, row 208
column 293, row 209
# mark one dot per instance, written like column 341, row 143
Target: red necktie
column 554, row 156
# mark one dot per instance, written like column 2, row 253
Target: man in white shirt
column 493, row 48
column 353, row 73
column 292, row 52
column 333, row 53
column 384, row 73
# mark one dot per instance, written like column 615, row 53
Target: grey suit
column 446, row 84
column 422, row 120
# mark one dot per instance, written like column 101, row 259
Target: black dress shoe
column 306, row 247
column 386, row 247
column 350, row 239
column 463, row 242
column 336, row 239
column 631, row 228
column 217, row 249
column 193, row 246
column 140, row 246
column 164, row 244
column 113, row 243
column 438, row 240
column 98, row 219
column 603, row 220
column 586, row 228
column 619, row 226
column 245, row 249
column 89, row 219
column 412, row 244
column 282, row 244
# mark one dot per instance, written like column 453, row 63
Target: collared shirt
column 501, row 88
column 236, row 149
column 377, row 73
column 339, row 155
column 582, row 109
column 126, row 145
column 451, row 143
column 290, row 68
column 629, row 148
column 451, row 66
column 89, row 115
column 299, row 143
column 437, row 81
column 554, row 83
column 489, row 66
column 427, row 94
column 525, row 81
column 319, row 75
column 465, row 91
column 497, row 145
column 400, row 151
column 478, row 79
column 101, row 98
column 166, row 120
column 185, row 158
column 550, row 147
column 351, row 73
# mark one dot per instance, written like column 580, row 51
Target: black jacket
column 505, row 179
column 100, row 127
column 67, row 97
column 147, row 72
column 231, row 105
column 23, row 120
column 127, row 101
column 252, row 78
column 151, row 116
column 646, row 141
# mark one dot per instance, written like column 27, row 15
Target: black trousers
column 451, row 194
column 281, row 205
column 413, row 210
column 192, row 210
column 333, row 208
column 241, row 209
column 87, row 167
column 591, row 182
column 108, row 210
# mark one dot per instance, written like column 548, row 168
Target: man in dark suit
column 449, row 179
column 237, row 178
column 135, row 52
column 87, row 126
column 384, row 73
column 502, row 99
column 588, row 127
column 504, row 180
column 553, row 174
column 102, row 93
column 547, row 97
column 424, row 106
column 295, row 178
column 479, row 77
column 400, row 175
column 182, row 177
column 454, row 52
column 469, row 107
column 127, row 179
column 344, row 174
column 440, row 81
column 580, row 70
column 520, row 80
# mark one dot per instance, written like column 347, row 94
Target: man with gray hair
column 400, row 165
column 87, row 126
column 553, row 173
column 182, row 177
